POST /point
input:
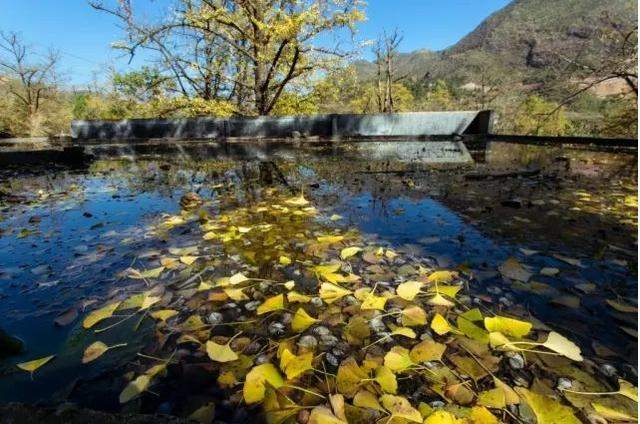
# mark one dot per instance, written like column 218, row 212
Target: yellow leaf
column 374, row 302
column 135, row 387
column 293, row 365
column 237, row 279
column 335, row 217
column 386, row 379
column 620, row 307
column 413, row 316
column 627, row 389
column 439, row 300
column 366, row 399
column 164, row 314
column 254, row 384
column 404, row 331
column 204, row 414
column 274, row 303
column 188, row 260
column 31, row 366
column 349, row 377
column 301, row 321
column 440, row 325
column 284, row 260
column 289, row 285
column 469, row 329
column 295, row 297
column 398, row 359
column 612, row 414
column 450, row 291
column 330, row 292
column 100, row 314
column 494, row 398
column 563, row 346
column 547, row 410
column 235, row 294
column 330, row 239
column 499, row 340
column 148, row 301
column 94, row 351
column 220, row 353
column 150, row 273
column 426, row 351
column 323, row 415
column 442, row 417
column 481, row 415
column 297, row 201
column 507, row 326
column 510, row 396
column 348, row 252
column 400, row 407
column 442, row 276
column 409, row 289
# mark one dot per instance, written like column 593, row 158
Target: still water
column 67, row 237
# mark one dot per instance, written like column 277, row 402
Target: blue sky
column 84, row 36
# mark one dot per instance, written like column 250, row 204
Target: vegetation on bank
column 213, row 58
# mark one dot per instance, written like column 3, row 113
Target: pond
column 211, row 267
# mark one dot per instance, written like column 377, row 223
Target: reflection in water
column 65, row 237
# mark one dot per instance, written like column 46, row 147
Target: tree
column 385, row 50
column 532, row 118
column 29, row 82
column 247, row 51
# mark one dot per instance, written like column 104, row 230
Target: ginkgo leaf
column 295, row 297
column 349, row 377
column 135, row 388
column 404, row 331
column 494, row 398
column 284, row 260
column 442, row 276
column 323, row 415
column 293, row 365
column 366, row 399
column 100, row 314
column 546, row 409
column 235, row 294
column 627, row 389
column 164, row 314
column 450, row 291
column 510, row 396
column 330, row 239
column 254, row 385
column 398, row 359
column 386, row 379
column 188, row 260
column 348, row 252
column 96, row 350
column 149, row 273
column 400, row 407
column 297, row 201
column 408, row 290
column 220, row 353
column 330, row 292
column 507, row 326
column 31, row 366
column 237, row 278
column 274, row 303
column 613, row 414
column 440, row 325
column 289, row 285
column 413, row 316
column 302, row 320
column 374, row 302
column 442, row 417
column 427, row 350
column 560, row 344
column 481, row 415
column 148, row 301
column 439, row 300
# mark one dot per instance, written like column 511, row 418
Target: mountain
column 527, row 39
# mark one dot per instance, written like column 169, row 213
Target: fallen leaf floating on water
column 620, row 307
column 140, row 384
column 513, row 270
column 613, row 414
column 164, row 314
column 560, row 344
column 547, row 410
column 409, row 290
column 100, row 314
column 32, row 366
column 96, row 350
column 509, row 326
column 348, row 252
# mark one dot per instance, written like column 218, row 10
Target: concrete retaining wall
column 322, row 126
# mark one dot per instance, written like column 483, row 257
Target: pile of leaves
column 301, row 319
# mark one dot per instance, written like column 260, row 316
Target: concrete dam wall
column 332, row 126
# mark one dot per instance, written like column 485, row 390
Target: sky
column 83, row 36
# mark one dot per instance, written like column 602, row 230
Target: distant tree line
column 262, row 57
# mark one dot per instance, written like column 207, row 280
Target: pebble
column 317, row 302
column 377, row 325
column 286, row 318
column 308, row 342
column 264, row 286
column 215, row 318
column 252, row 306
column 276, row 329
column 262, row 359
column 426, row 335
column 506, row 302
column 328, row 341
column 436, row 404
column 332, row 360
column 608, row 370
column 516, row 361
column 321, row 331
column 494, row 290
column 351, row 300
column 564, row 383
column 253, row 348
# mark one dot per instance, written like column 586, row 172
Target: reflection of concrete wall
column 415, row 151
column 324, row 126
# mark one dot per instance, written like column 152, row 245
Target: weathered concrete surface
column 320, row 126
